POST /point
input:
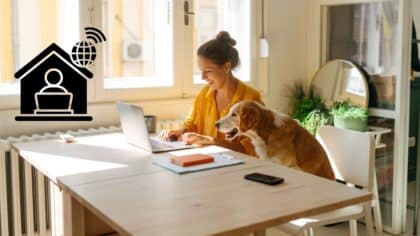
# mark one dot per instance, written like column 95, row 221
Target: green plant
column 315, row 119
column 345, row 110
column 304, row 103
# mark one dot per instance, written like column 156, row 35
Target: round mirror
column 339, row 80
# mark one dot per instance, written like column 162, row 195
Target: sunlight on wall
column 28, row 26
column 6, row 48
column 48, row 15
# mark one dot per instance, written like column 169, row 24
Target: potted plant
column 316, row 119
column 349, row 116
column 305, row 102
column 308, row 107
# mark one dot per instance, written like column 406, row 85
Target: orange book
column 190, row 160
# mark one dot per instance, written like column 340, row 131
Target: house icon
column 53, row 88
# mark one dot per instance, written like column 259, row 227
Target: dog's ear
column 249, row 117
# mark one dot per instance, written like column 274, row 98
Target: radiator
column 28, row 200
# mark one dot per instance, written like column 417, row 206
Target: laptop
column 134, row 128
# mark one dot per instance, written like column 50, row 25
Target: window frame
column 190, row 89
column 93, row 16
column 183, row 86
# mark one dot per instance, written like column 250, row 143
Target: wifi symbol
column 95, row 35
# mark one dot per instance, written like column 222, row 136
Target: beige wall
column 6, row 48
column 416, row 15
column 103, row 114
column 287, row 38
column 287, row 35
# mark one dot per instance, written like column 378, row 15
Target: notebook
column 191, row 160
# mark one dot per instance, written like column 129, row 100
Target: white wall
column 287, row 32
column 416, row 16
column 103, row 115
column 287, row 35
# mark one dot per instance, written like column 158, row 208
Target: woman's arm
column 171, row 135
column 201, row 140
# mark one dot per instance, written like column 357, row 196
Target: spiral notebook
column 220, row 160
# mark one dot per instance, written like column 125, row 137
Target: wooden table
column 102, row 176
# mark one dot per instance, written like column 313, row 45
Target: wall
column 287, row 35
column 6, row 48
column 416, row 16
column 103, row 115
column 287, row 31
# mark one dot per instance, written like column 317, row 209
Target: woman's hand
column 197, row 139
column 171, row 135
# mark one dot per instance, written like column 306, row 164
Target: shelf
column 382, row 113
column 377, row 133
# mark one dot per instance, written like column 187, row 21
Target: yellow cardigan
column 203, row 114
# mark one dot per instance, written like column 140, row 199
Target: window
column 7, row 85
column 28, row 26
column 367, row 34
column 233, row 16
column 149, row 52
column 139, row 44
column 151, row 47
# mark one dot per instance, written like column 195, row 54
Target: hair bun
column 224, row 36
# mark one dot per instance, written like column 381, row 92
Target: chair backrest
column 351, row 153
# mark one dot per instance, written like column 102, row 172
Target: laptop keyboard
column 156, row 145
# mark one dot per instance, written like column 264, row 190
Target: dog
column 276, row 137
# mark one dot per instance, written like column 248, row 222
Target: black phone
column 265, row 179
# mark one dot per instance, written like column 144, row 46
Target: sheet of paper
column 220, row 160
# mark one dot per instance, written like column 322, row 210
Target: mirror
column 339, row 80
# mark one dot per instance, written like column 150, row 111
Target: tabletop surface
column 120, row 184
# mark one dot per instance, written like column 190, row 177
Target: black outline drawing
column 94, row 34
column 42, row 99
column 53, row 87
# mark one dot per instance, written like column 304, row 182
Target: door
column 375, row 35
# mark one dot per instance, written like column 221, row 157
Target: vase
column 350, row 123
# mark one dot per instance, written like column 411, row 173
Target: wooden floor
column 343, row 229
column 337, row 230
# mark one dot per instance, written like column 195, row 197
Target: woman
column 216, row 60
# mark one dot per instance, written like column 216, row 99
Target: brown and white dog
column 276, row 137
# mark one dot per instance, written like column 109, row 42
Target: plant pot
column 350, row 123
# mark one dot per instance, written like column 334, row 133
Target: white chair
column 352, row 155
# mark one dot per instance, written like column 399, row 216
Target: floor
column 343, row 229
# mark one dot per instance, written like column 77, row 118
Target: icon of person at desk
column 53, row 98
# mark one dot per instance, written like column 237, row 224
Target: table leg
column 83, row 221
column 259, row 233
column 73, row 214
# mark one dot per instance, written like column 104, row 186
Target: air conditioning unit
column 132, row 51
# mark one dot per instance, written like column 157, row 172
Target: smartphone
column 265, row 179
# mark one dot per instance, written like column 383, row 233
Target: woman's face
column 215, row 75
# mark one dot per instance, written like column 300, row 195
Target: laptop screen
column 134, row 125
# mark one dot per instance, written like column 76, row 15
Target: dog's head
column 242, row 117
